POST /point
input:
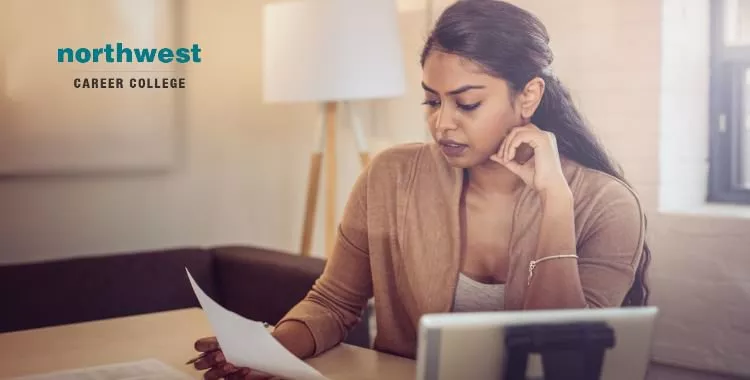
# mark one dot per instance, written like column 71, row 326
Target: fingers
column 507, row 149
column 506, row 141
column 207, row 344
column 525, row 169
column 242, row 374
column 521, row 143
column 503, row 153
column 510, row 152
column 528, row 137
column 214, row 360
column 211, row 359
column 220, row 372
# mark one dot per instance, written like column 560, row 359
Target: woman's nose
column 444, row 121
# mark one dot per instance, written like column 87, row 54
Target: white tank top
column 473, row 296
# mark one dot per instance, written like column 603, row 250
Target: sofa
column 257, row 283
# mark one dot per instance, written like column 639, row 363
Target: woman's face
column 468, row 111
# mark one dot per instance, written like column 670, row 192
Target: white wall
column 684, row 104
column 243, row 171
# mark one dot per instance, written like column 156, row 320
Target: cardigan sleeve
column 335, row 303
column 612, row 245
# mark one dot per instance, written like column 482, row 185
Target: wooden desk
column 167, row 336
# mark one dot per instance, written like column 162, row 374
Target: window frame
column 728, row 67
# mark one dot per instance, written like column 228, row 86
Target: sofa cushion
column 96, row 287
column 263, row 284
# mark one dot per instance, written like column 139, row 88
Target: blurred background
column 663, row 84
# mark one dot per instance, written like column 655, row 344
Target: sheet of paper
column 248, row 343
column 149, row 369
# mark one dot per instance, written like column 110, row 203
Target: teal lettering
column 196, row 51
column 109, row 51
column 65, row 52
column 83, row 55
column 147, row 55
column 97, row 53
column 183, row 55
column 119, row 53
column 123, row 50
column 166, row 55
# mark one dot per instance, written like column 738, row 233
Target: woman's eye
column 463, row 107
column 469, row 107
column 431, row 103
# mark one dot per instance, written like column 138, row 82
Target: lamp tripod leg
column 359, row 137
column 331, row 170
column 326, row 155
column 313, row 184
column 364, row 158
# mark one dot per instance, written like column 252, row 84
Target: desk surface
column 166, row 336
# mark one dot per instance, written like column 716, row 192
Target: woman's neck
column 491, row 178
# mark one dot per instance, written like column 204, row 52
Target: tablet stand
column 568, row 351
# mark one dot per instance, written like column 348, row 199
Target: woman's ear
column 530, row 97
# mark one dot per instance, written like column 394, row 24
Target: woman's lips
column 452, row 149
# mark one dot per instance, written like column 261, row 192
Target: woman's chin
column 460, row 162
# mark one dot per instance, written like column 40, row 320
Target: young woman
column 514, row 205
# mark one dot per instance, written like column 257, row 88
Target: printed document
column 248, row 343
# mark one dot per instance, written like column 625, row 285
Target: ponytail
column 557, row 114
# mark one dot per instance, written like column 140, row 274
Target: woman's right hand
column 293, row 335
column 213, row 360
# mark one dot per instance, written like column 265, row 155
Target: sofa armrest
column 262, row 284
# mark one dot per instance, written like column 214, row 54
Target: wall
column 243, row 169
column 685, row 76
column 243, row 176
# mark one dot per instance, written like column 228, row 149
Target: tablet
column 473, row 345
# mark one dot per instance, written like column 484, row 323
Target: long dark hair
column 513, row 44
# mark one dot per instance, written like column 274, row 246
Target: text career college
column 132, row 82
column 121, row 54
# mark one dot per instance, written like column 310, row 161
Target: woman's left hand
column 542, row 170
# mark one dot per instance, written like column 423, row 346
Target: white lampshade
column 331, row 50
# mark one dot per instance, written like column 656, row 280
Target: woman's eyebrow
column 453, row 92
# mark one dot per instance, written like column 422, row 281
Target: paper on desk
column 149, row 369
column 248, row 343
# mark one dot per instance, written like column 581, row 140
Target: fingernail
column 195, row 359
column 228, row 367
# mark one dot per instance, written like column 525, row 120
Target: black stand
column 569, row 351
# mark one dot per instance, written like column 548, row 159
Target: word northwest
column 154, row 83
column 121, row 54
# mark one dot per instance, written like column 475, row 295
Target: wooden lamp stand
column 326, row 150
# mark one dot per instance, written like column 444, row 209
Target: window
column 729, row 169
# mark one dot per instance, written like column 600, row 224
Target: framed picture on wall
column 62, row 113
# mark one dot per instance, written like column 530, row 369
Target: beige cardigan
column 399, row 241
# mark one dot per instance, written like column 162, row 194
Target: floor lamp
column 331, row 52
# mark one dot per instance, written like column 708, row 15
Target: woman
column 514, row 206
